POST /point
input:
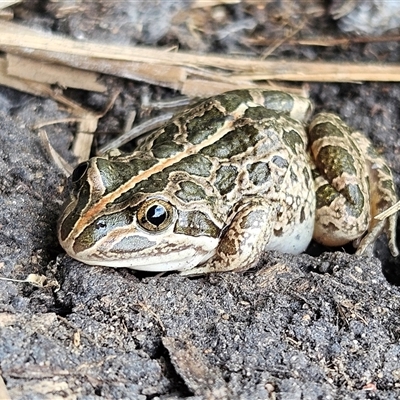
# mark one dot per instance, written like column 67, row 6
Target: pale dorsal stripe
column 160, row 166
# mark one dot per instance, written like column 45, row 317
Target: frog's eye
column 155, row 215
column 79, row 172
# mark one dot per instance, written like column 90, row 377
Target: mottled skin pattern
column 353, row 185
column 224, row 181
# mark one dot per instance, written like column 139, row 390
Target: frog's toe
column 365, row 245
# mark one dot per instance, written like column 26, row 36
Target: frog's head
column 120, row 215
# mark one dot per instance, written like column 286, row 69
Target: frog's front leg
column 242, row 241
column 353, row 185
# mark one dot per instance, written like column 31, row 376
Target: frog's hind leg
column 353, row 185
column 382, row 196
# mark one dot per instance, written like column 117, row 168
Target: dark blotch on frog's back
column 114, row 174
column 225, row 179
column 293, row 140
column 260, row 113
column 279, row 101
column 259, row 173
column 164, row 146
column 232, row 100
column 203, row 126
column 190, row 192
column 194, row 164
column 234, row 143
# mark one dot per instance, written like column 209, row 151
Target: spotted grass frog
column 221, row 182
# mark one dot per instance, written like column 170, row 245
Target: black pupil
column 101, row 225
column 79, row 171
column 156, row 215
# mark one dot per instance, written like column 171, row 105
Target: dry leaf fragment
column 77, row 338
column 35, row 280
column 3, row 390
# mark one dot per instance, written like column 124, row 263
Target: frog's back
column 231, row 147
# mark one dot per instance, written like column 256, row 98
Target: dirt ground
column 322, row 325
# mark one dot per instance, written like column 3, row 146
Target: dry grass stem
column 212, row 3
column 323, row 41
column 172, row 68
column 62, row 164
column 39, row 71
column 390, row 211
column 8, row 3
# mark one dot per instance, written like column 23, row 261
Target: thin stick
column 135, row 132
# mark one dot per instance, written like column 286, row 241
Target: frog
column 231, row 177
